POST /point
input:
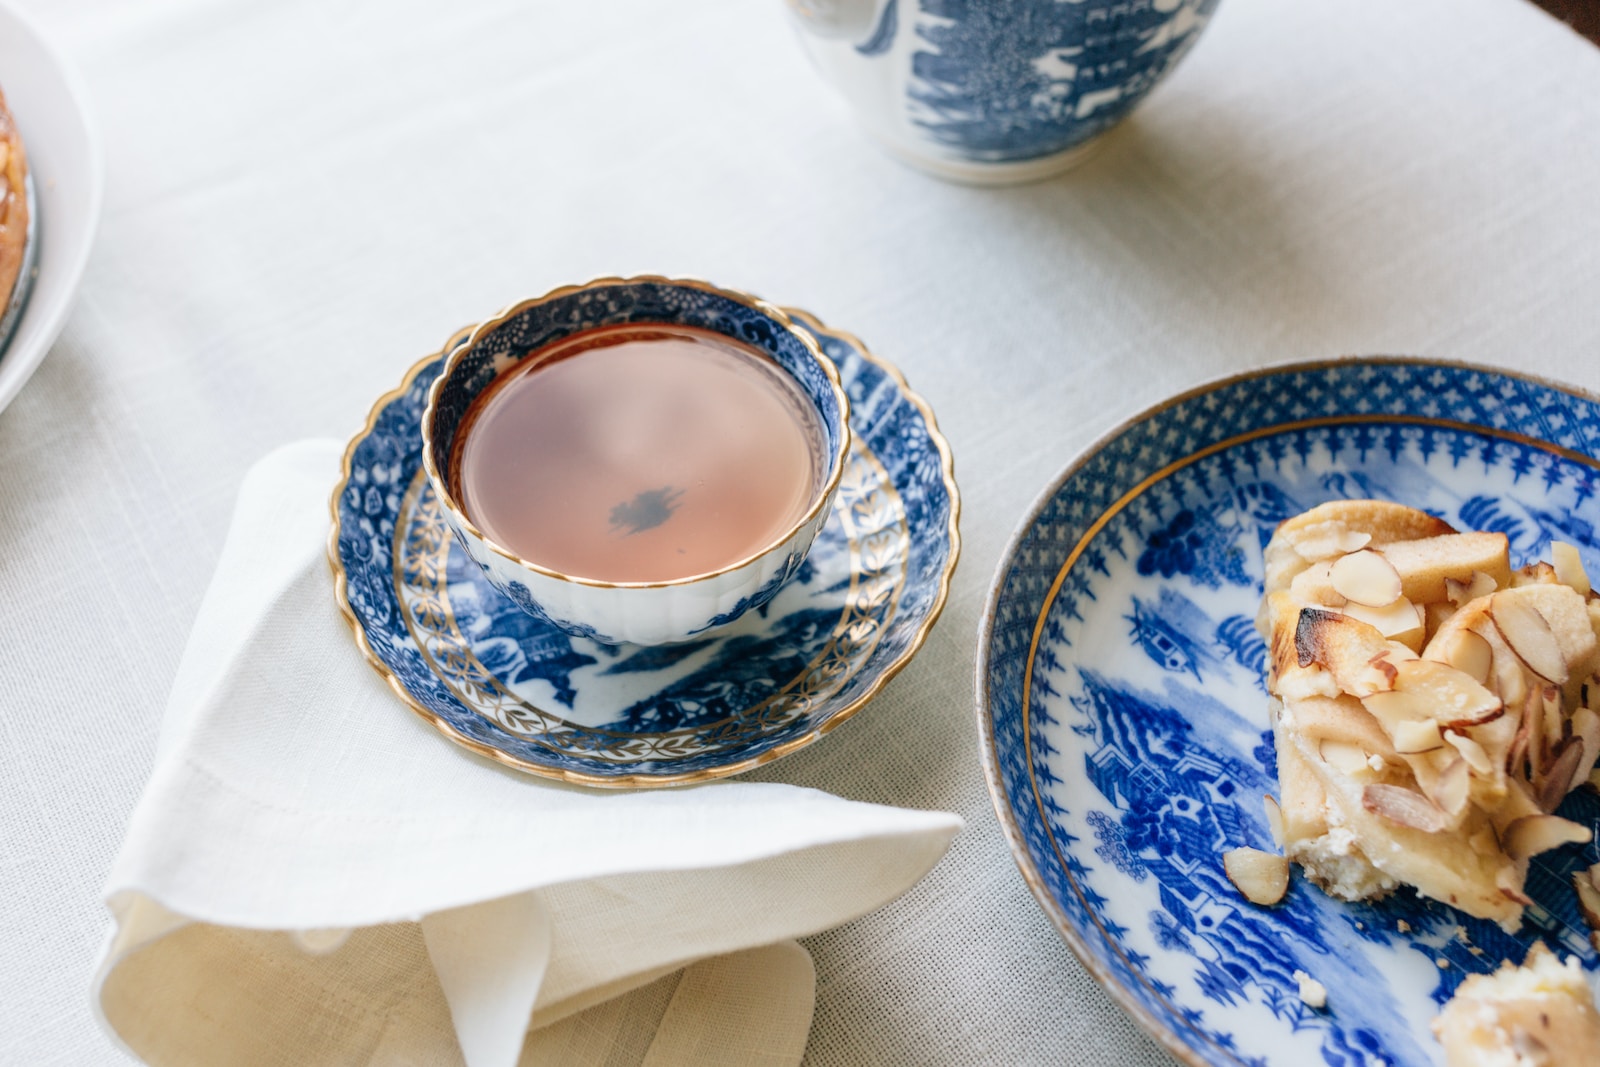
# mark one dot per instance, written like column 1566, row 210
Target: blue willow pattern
column 754, row 686
column 467, row 655
column 1164, row 715
column 1006, row 80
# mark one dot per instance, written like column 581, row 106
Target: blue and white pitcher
column 996, row 91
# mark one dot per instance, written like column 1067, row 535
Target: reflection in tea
column 640, row 454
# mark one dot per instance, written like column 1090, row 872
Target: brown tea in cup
column 640, row 453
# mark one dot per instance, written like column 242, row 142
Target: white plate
column 48, row 102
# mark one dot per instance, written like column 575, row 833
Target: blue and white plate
column 519, row 691
column 1122, row 709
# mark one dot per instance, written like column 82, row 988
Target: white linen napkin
column 313, row 876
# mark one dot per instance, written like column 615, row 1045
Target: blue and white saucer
column 1122, row 710
column 517, row 690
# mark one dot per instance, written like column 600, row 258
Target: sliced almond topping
column 1533, row 719
column 1481, row 585
column 1509, row 881
column 1471, row 751
column 1344, row 757
column 1586, row 728
column 1427, row 689
column 1367, row 578
column 1399, row 653
column 1554, row 724
column 1553, row 786
column 1529, row 636
column 1435, row 615
column 1509, row 676
column 1517, row 750
column 1569, row 567
column 1328, row 539
column 1533, row 834
column 1314, row 585
column 1399, row 706
column 1262, row 877
column 1342, row 644
column 1588, row 899
column 1496, row 738
column 1312, row 630
column 1462, row 667
column 1414, row 736
column 1509, row 885
column 1399, row 621
column 1467, row 653
column 1459, row 592
column 1534, row 574
column 1274, row 819
column 1517, row 754
column 1319, row 719
column 1452, row 787
column 1519, row 803
column 1404, row 806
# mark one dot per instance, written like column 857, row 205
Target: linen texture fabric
column 313, row 876
column 306, row 196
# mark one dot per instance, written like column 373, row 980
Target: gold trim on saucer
column 874, row 521
column 947, row 472
column 1156, row 1029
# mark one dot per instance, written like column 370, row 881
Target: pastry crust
column 13, row 203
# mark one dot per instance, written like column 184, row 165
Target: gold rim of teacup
column 772, row 311
column 646, row 781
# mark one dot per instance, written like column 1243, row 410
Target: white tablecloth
column 307, row 195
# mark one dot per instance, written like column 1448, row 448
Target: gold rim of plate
column 638, row 781
column 1158, row 1030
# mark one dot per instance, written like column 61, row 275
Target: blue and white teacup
column 995, row 91
column 646, row 613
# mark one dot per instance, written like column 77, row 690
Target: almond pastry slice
column 1541, row 1014
column 1431, row 707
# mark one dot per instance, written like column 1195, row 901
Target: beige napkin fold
column 313, row 876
